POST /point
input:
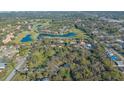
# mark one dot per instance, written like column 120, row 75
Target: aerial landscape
column 62, row 46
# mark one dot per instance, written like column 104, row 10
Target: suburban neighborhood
column 61, row 46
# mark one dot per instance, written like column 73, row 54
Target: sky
column 61, row 5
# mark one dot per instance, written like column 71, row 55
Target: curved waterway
column 71, row 34
column 28, row 38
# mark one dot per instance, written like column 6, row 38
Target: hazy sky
column 65, row 5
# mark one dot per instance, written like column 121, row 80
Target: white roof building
column 2, row 66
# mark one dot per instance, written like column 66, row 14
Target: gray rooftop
column 2, row 65
column 120, row 63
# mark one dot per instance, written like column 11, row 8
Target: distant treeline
column 59, row 14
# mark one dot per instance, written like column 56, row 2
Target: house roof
column 119, row 63
column 2, row 65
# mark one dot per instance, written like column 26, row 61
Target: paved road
column 20, row 63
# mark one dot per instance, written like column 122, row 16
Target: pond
column 114, row 58
column 27, row 38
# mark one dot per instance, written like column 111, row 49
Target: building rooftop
column 119, row 63
column 2, row 65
